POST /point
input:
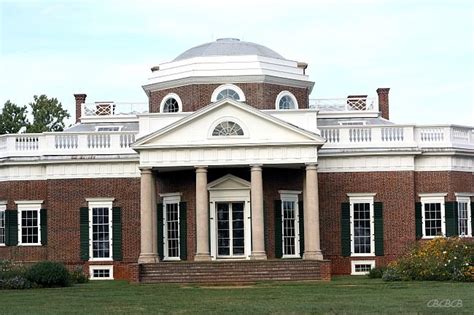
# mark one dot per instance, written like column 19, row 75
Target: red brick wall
column 259, row 95
column 444, row 182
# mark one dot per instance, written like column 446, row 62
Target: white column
column 148, row 248
column 256, row 196
column 202, row 216
column 312, row 248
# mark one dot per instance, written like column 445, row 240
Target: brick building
column 231, row 173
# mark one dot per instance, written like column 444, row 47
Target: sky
column 422, row 50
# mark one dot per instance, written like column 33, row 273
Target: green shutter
column 378, row 228
column 472, row 218
column 301, row 226
column 418, row 220
column 117, row 233
column 84, row 230
column 183, row 231
column 11, row 224
column 44, row 226
column 159, row 215
column 451, row 216
column 345, row 229
column 278, row 232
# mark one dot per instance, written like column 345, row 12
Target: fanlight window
column 286, row 102
column 171, row 106
column 228, row 93
column 228, row 128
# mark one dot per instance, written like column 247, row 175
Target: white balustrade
column 348, row 104
column 113, row 109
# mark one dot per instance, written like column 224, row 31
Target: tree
column 12, row 118
column 48, row 114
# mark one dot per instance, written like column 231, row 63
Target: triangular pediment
column 259, row 128
column 229, row 182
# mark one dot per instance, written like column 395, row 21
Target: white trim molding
column 361, row 262
column 233, row 119
column 232, row 87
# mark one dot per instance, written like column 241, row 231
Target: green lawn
column 342, row 295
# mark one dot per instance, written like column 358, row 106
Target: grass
column 342, row 295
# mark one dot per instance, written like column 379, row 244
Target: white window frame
column 28, row 205
column 433, row 198
column 361, row 262
column 465, row 197
column 3, row 208
column 362, row 198
column 168, row 96
column 291, row 196
column 171, row 198
column 223, row 87
column 110, row 268
column 281, row 95
column 232, row 119
column 100, row 203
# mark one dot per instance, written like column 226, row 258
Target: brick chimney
column 80, row 99
column 383, row 102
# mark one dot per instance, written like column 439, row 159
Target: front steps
column 235, row 271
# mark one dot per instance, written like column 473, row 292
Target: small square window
column 362, row 267
column 101, row 272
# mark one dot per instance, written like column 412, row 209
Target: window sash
column 464, row 216
column 362, row 226
column 100, row 231
column 171, row 233
column 290, row 227
column 433, row 217
column 29, row 230
column 2, row 226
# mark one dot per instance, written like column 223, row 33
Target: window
column 108, row 128
column 228, row 91
column 29, row 225
column 100, row 230
column 171, row 227
column 228, row 128
column 362, row 267
column 2, row 223
column 101, row 272
column 290, row 224
column 433, row 215
column 171, row 103
column 362, row 224
column 286, row 100
column 464, row 215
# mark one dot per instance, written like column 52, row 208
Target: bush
column 78, row 276
column 377, row 272
column 9, row 269
column 391, row 274
column 49, row 274
column 437, row 259
column 16, row 283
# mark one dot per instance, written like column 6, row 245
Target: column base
column 258, row 256
column 148, row 258
column 315, row 255
column 202, row 257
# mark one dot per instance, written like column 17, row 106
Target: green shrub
column 9, row 269
column 48, row 274
column 377, row 272
column 16, row 283
column 78, row 276
column 391, row 274
column 438, row 259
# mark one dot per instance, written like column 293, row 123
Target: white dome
column 228, row 47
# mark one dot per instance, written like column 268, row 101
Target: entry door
column 230, row 229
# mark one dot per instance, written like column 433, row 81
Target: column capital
column 255, row 167
column 311, row 166
column 201, row 169
column 145, row 170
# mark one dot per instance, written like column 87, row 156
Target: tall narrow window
column 100, row 230
column 464, row 216
column 29, row 225
column 2, row 224
column 171, row 227
column 290, row 224
column 433, row 215
column 362, row 225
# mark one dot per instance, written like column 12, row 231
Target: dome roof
column 228, row 47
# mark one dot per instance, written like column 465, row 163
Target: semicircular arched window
column 171, row 106
column 228, row 93
column 228, row 128
column 286, row 102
